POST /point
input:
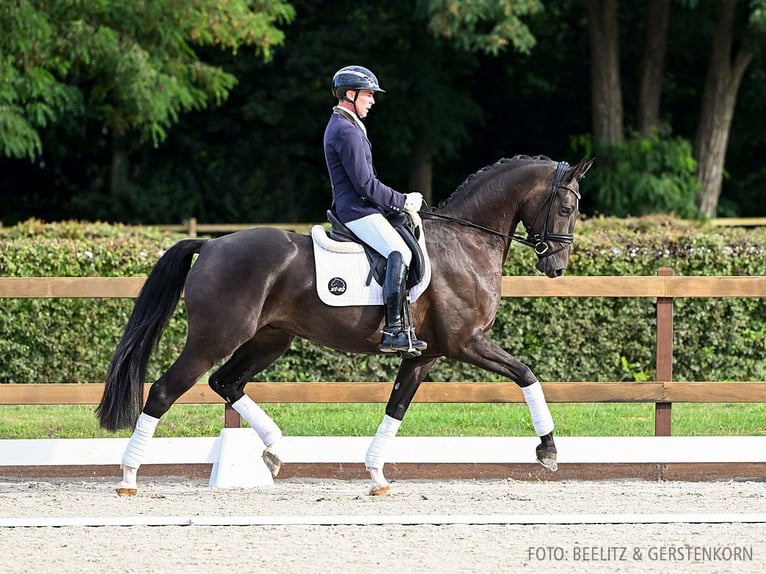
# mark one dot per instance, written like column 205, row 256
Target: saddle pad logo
column 336, row 286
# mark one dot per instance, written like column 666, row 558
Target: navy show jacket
column 356, row 189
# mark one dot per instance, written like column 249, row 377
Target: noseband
column 536, row 241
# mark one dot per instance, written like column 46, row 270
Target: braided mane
column 464, row 187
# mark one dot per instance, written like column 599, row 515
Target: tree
column 482, row 26
column 731, row 52
column 31, row 96
column 454, row 103
column 131, row 66
column 432, row 100
column 606, row 91
column 733, row 45
column 653, row 66
column 267, row 163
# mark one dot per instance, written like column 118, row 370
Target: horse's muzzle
column 551, row 266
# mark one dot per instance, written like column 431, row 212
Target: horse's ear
column 582, row 168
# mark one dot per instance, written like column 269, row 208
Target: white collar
column 351, row 114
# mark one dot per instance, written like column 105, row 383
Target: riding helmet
column 354, row 78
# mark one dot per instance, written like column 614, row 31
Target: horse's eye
column 565, row 211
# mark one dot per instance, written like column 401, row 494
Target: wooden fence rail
column 429, row 392
column 649, row 286
column 193, row 228
column 663, row 392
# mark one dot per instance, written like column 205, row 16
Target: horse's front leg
column 411, row 374
column 543, row 423
column 481, row 351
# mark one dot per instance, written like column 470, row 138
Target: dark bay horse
column 249, row 293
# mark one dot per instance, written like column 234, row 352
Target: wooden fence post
column 664, row 365
column 192, row 227
column 231, row 418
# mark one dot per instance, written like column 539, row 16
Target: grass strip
column 28, row 422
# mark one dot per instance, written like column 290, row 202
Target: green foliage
column 31, row 97
column 483, row 25
column 567, row 339
column 70, row 340
column 756, row 24
column 132, row 65
column 642, row 175
column 257, row 157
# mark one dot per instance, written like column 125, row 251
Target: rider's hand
column 413, row 202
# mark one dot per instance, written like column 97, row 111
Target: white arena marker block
column 240, row 463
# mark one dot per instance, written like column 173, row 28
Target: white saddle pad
column 342, row 272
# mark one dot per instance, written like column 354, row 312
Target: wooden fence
column 193, row 228
column 663, row 392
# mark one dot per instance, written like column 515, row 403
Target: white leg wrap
column 128, row 477
column 376, row 474
column 376, row 454
column 261, row 422
column 135, row 453
column 538, row 408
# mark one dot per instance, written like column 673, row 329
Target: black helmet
column 354, row 78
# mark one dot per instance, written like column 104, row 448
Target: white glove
column 413, row 202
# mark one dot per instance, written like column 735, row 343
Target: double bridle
column 536, row 241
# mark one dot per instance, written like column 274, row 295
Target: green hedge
column 598, row 339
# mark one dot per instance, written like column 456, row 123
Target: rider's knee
column 405, row 255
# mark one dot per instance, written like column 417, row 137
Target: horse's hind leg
column 229, row 382
column 178, row 379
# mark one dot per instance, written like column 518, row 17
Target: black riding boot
column 396, row 337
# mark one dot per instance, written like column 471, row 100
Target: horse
column 248, row 294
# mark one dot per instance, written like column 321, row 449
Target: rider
column 361, row 200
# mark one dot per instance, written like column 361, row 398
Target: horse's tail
column 124, row 390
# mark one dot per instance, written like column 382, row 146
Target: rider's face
column 364, row 102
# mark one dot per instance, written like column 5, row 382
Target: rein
column 535, row 241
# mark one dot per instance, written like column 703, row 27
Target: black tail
column 124, row 391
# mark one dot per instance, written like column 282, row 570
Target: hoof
column 380, row 489
column 380, row 485
column 127, row 486
column 546, row 455
column 549, row 463
column 273, row 463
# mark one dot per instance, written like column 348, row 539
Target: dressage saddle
column 403, row 225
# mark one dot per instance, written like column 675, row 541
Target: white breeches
column 378, row 233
